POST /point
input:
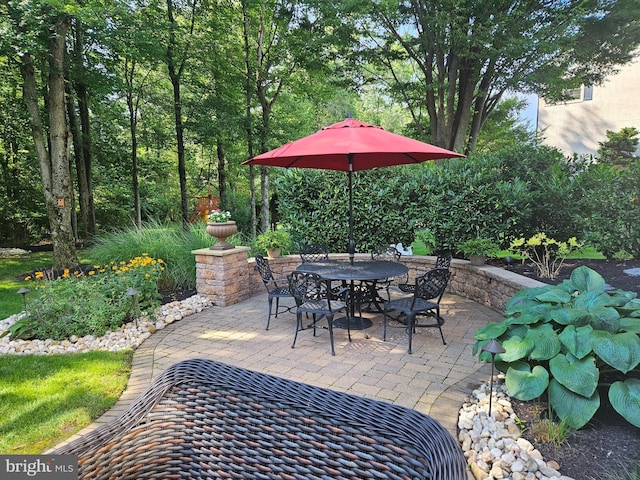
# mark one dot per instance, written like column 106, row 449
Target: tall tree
column 40, row 44
column 281, row 39
column 178, row 52
column 81, row 130
column 464, row 56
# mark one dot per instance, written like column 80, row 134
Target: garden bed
column 607, row 447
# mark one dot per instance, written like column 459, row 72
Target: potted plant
column 478, row 249
column 273, row 241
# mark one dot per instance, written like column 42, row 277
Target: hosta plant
column 574, row 341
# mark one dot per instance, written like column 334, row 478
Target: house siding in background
column 577, row 126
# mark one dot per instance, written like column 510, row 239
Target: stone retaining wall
column 489, row 286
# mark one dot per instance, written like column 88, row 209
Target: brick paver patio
column 434, row 380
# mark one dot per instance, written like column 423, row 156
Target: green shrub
column 167, row 241
column 484, row 247
column 314, row 206
column 609, row 206
column 571, row 341
column 91, row 303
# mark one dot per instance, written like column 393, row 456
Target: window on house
column 588, row 93
column 574, row 93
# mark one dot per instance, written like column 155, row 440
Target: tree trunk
column 132, row 106
column 182, row 171
column 54, row 164
column 222, row 175
column 86, row 188
column 82, row 138
column 248, row 117
column 79, row 166
column 175, row 74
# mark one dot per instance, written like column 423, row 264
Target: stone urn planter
column 221, row 231
column 273, row 252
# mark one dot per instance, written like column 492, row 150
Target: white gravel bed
column 128, row 336
column 493, row 445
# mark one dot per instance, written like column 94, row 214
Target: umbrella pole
column 352, row 242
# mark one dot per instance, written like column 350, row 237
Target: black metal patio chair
column 443, row 260
column 276, row 288
column 425, row 302
column 368, row 293
column 314, row 296
column 314, row 253
column 206, row 419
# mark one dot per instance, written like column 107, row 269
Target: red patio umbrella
column 351, row 146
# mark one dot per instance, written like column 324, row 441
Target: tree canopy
column 135, row 108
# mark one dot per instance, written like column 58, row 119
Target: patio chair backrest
column 262, row 265
column 306, row 286
column 314, row 253
column 443, row 260
column 432, row 284
column 386, row 253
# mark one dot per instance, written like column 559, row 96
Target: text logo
column 39, row 467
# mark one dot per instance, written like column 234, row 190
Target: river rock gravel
column 493, row 444
column 128, row 336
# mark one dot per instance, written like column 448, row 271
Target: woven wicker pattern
column 204, row 419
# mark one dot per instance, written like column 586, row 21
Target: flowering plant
column 219, row 216
column 547, row 254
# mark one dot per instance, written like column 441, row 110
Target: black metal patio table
column 336, row 270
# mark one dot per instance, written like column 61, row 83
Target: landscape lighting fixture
column 493, row 347
column 23, row 291
column 132, row 292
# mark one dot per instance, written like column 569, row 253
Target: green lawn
column 588, row 252
column 46, row 399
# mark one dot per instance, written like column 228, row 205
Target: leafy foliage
column 501, row 196
column 272, row 239
column 479, row 246
column 314, row 207
column 620, row 147
column 608, row 200
column 570, row 340
column 91, row 303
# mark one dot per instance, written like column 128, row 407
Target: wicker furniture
column 425, row 301
column 276, row 289
column 204, row 419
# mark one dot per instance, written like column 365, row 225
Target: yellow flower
column 39, row 275
column 27, row 278
column 91, row 272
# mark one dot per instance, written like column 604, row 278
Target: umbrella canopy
column 351, row 146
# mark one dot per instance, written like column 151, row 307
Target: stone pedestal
column 223, row 275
